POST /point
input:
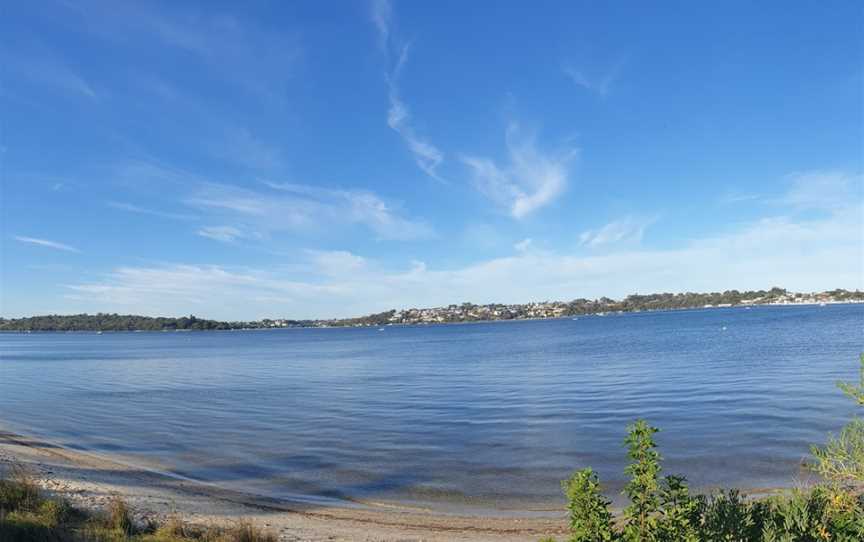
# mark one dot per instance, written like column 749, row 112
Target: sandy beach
column 90, row 481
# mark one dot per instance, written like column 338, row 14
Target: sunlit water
column 469, row 417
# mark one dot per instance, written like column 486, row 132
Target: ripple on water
column 481, row 415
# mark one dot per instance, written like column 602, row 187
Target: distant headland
column 465, row 312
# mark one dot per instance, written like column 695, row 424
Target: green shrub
column 727, row 516
column 826, row 513
column 642, row 489
column 679, row 512
column 590, row 519
column 664, row 511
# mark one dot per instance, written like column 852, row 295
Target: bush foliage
column 663, row 510
column 841, row 460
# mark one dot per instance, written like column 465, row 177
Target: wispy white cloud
column 382, row 15
column 624, row 230
column 336, row 206
column 298, row 207
column 243, row 53
column 597, row 83
column 823, row 190
column 798, row 253
column 180, row 289
column 223, row 197
column 46, row 69
column 153, row 176
column 733, row 198
column 532, row 179
column 427, row 156
column 45, row 243
column 225, row 234
column 762, row 254
column 276, row 207
column 123, row 206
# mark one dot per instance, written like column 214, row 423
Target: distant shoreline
column 431, row 324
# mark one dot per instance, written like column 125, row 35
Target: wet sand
column 89, row 481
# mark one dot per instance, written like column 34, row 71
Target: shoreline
column 90, row 482
column 433, row 324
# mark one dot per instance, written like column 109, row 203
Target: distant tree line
column 666, row 301
column 465, row 312
column 126, row 322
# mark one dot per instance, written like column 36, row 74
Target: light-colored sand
column 89, row 481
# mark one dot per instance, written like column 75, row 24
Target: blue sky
column 315, row 159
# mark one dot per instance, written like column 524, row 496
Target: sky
column 328, row 159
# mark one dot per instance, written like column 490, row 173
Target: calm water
column 480, row 416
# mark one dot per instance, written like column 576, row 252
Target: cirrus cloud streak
column 45, row 243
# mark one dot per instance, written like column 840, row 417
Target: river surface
column 474, row 417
